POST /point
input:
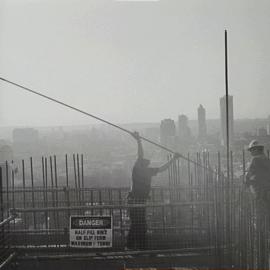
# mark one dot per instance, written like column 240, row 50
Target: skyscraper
column 268, row 125
column 184, row 134
column 183, row 128
column 167, row 133
column 223, row 119
column 202, row 130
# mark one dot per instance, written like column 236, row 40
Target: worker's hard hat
column 254, row 144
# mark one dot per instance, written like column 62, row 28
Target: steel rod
column 109, row 206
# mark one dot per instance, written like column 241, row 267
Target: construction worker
column 258, row 176
column 141, row 185
column 258, row 180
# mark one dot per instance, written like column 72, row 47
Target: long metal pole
column 1, row 200
column 85, row 113
column 227, row 108
column 228, row 185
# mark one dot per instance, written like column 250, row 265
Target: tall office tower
column 167, row 133
column 202, row 130
column 268, row 125
column 223, row 119
column 184, row 132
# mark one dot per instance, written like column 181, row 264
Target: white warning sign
column 90, row 231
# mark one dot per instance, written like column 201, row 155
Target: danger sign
column 90, row 231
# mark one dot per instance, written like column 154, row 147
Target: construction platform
column 150, row 259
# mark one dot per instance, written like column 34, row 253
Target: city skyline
column 114, row 116
column 99, row 57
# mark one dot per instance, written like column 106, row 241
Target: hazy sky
column 132, row 61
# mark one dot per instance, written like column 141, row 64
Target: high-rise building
column 183, row 128
column 167, row 133
column 202, row 129
column 184, row 134
column 223, row 119
column 268, row 125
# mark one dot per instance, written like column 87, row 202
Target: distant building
column 6, row 153
column 202, row 129
column 223, row 119
column 268, row 125
column 167, row 133
column 6, row 156
column 183, row 128
column 184, row 134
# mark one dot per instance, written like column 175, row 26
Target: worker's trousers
column 138, row 227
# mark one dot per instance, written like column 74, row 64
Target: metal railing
column 6, row 252
column 163, row 215
column 198, row 209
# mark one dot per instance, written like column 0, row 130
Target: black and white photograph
column 134, row 134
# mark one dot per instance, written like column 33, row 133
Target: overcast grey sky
column 132, row 61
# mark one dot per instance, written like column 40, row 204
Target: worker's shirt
column 141, row 181
column 258, row 174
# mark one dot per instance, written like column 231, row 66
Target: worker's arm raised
column 136, row 136
column 167, row 165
